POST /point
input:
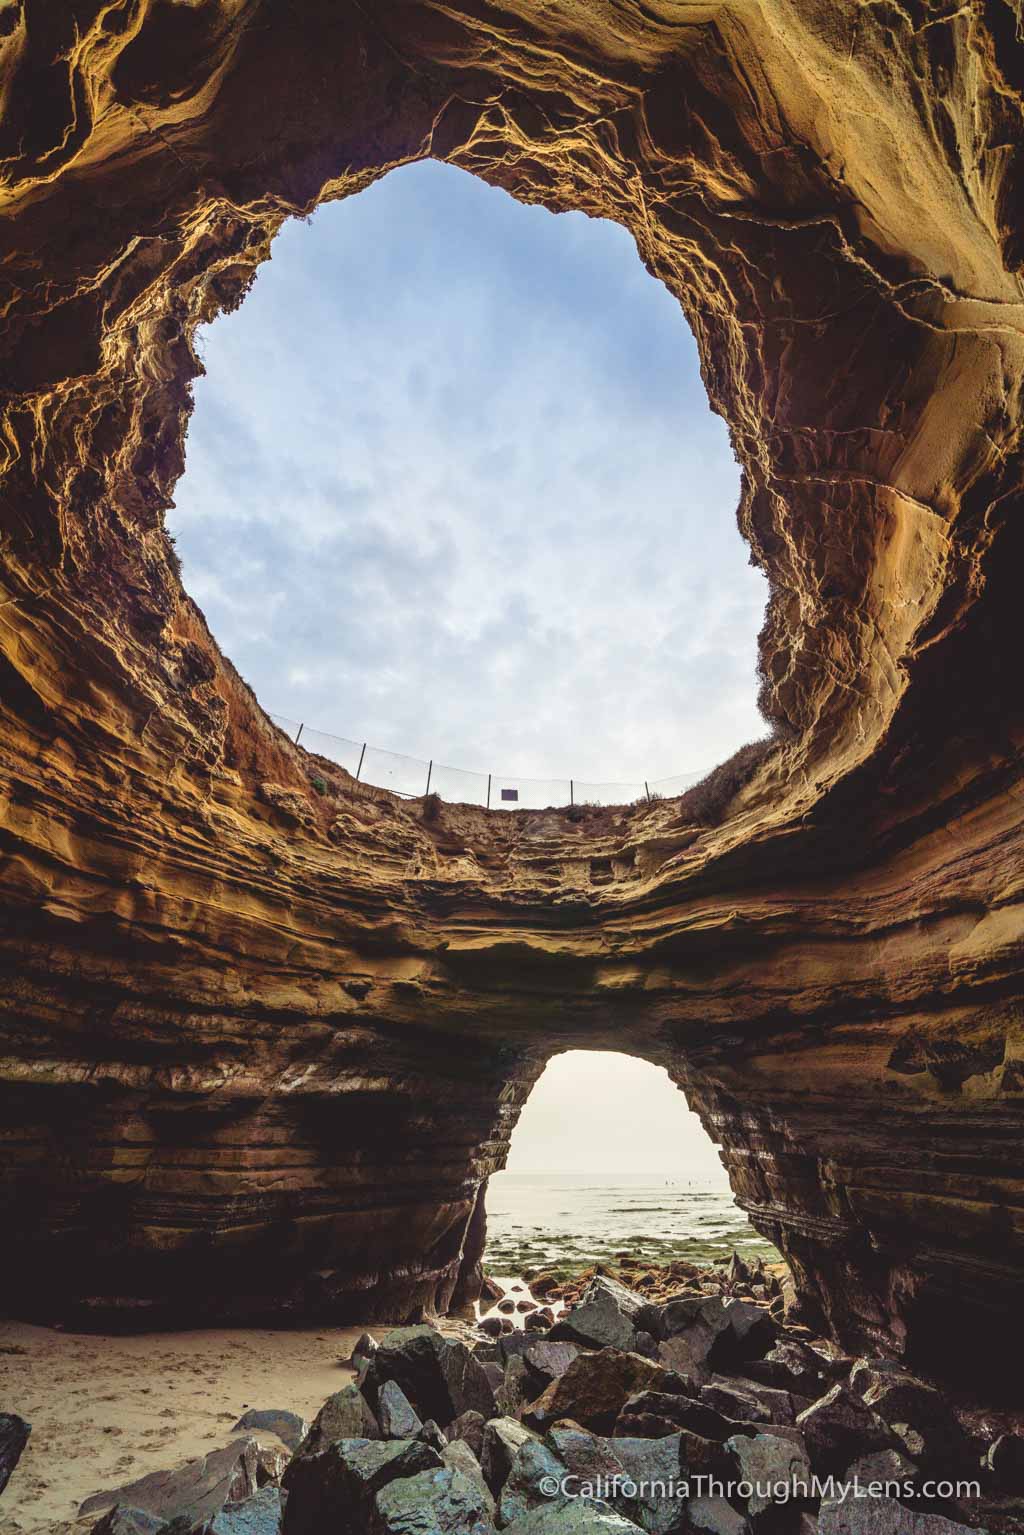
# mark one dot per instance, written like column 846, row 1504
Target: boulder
column 677, row 1411
column 713, row 1515
column 334, row 1488
column 729, row 1399
column 588, row 1456
column 345, row 1415
column 535, row 1470
column 458, row 1456
column 838, row 1429
column 193, row 1493
column 494, row 1373
column 396, row 1415
column 921, row 1420
column 440, row 1376
column 491, row 1325
column 503, row 1438
column 514, row 1343
column 884, row 1516
column 517, row 1389
column 603, row 1318
column 576, row 1518
column 593, row 1390
column 363, row 1350
column 121, row 1520
column 1005, row 1459
column 14, row 1432
column 793, row 1366
column 770, row 1462
column 469, row 1428
column 748, row 1334
column 882, row 1466
column 440, row 1502
column 540, row 1320
column 652, row 1466
column 546, row 1360
column 271, row 1464
column 288, row 1426
column 258, row 1515
column 431, row 1434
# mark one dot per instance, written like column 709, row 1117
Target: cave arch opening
column 481, row 513
column 609, row 1162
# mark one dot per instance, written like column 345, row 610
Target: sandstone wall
column 260, row 1047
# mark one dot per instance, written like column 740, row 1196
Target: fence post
column 647, row 791
column 488, row 791
column 359, row 769
column 299, row 732
column 571, row 800
column 430, row 769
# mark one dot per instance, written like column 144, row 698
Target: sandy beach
column 106, row 1410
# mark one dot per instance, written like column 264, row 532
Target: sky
column 596, row 1111
column 453, row 488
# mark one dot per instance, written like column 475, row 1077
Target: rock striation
column 261, row 1047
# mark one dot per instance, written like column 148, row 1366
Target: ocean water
column 570, row 1220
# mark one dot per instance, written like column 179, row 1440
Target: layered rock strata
column 262, row 1047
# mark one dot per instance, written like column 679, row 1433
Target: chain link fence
column 414, row 777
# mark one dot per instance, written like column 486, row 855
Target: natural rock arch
column 262, row 1047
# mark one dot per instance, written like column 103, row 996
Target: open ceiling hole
column 453, row 488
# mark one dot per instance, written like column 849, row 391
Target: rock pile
column 690, row 1414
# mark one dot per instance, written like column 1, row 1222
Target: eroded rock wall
column 261, row 1046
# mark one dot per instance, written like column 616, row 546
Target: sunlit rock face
column 261, row 1046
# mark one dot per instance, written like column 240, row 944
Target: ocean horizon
column 568, row 1220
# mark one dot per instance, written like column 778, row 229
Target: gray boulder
column 503, row 1438
column 920, row 1418
column 604, row 1318
column 441, row 1502
column 288, row 1426
column 647, row 1407
column 433, row 1435
column 440, row 1376
column 547, row 1360
column 713, row 1515
column 345, row 1415
column 458, row 1456
column 514, row 1343
column 259, row 1515
column 589, row 1457
column 884, row 1516
column 575, row 1518
column 534, row 1473
column 14, row 1432
column 192, row 1494
column 469, row 1427
column 648, row 1463
column 396, row 1415
column 516, row 1390
column 770, row 1462
column 732, row 1401
column 885, row 1466
column 335, row 1488
column 121, row 1520
column 839, row 1429
column 363, row 1350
